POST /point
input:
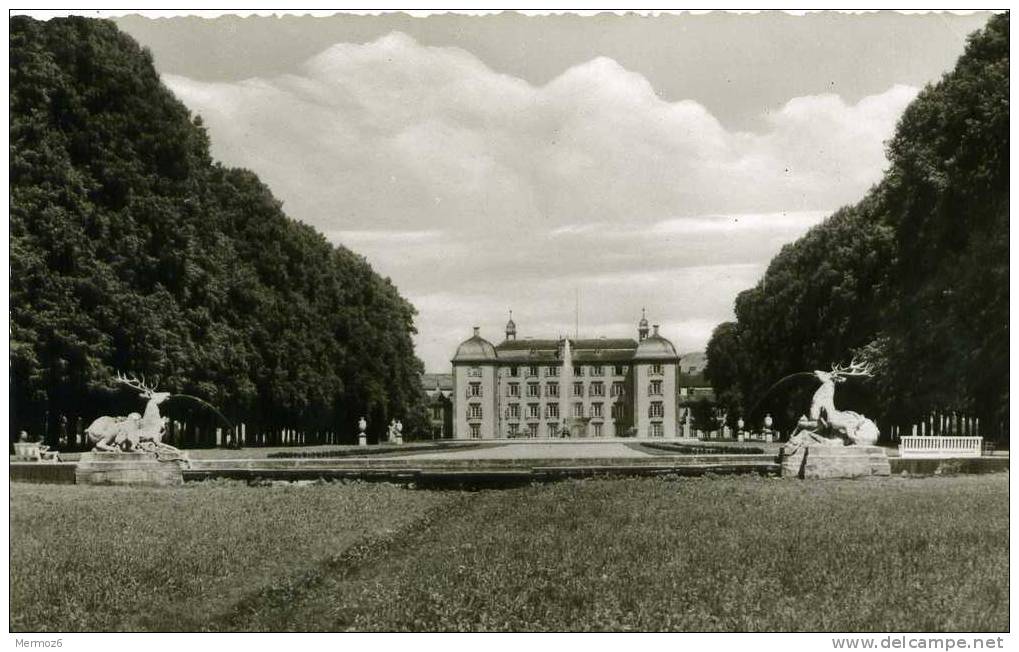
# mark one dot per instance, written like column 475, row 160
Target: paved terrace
column 499, row 461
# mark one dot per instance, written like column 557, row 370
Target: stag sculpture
column 135, row 432
column 850, row 427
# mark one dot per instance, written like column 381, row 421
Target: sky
column 543, row 163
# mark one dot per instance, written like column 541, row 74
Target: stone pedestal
column 362, row 440
column 141, row 469
column 819, row 461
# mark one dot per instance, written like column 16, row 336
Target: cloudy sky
column 489, row 163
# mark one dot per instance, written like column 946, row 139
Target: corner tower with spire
column 511, row 328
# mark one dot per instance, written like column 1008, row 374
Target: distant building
column 438, row 389
column 692, row 383
column 565, row 387
column 693, row 386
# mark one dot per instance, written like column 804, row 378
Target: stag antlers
column 137, row 384
column 854, row 369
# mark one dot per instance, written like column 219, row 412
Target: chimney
column 655, row 331
column 477, row 331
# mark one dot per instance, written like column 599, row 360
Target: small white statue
column 362, row 436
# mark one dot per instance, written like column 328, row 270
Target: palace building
column 565, row 387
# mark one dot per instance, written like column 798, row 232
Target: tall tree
column 915, row 276
column 132, row 250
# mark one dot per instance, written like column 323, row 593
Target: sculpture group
column 135, row 432
column 829, row 426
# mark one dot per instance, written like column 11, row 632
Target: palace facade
column 550, row 388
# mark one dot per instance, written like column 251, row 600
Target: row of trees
column 132, row 250
column 913, row 278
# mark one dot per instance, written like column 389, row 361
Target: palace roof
column 475, row 349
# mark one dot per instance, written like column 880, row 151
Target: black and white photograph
column 509, row 320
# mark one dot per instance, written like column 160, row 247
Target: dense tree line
column 914, row 278
column 132, row 250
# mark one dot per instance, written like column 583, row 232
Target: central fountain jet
column 573, row 426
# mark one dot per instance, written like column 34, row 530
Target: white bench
column 940, row 446
column 34, row 452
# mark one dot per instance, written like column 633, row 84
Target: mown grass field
column 730, row 554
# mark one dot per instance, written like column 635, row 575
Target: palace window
column 578, row 409
column 513, row 389
column 597, row 370
column 533, row 411
column 474, row 411
column 552, row 372
column 656, row 410
column 552, row 389
column 578, row 389
column 532, row 390
column 619, row 370
column 514, row 371
column 596, row 410
column 474, row 372
column 552, row 411
column 532, row 371
column 436, row 412
column 532, row 429
column 618, row 389
column 619, row 411
column 657, row 430
column 513, row 411
column 656, row 370
column 578, row 370
column 475, row 430
column 514, row 428
column 552, row 429
column 474, row 390
column 598, row 388
column 655, row 388
column 597, row 429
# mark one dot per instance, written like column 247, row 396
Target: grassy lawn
column 730, row 554
column 119, row 558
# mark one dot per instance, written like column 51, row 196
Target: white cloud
column 476, row 191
